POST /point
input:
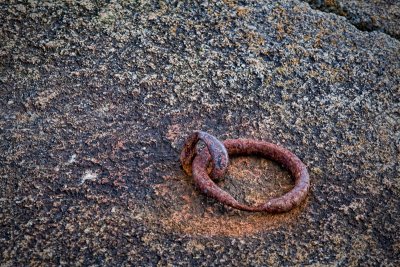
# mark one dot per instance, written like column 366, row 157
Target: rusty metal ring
column 253, row 147
column 219, row 155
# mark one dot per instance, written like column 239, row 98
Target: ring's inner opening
column 253, row 180
column 200, row 145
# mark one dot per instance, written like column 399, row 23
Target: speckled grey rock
column 366, row 15
column 97, row 98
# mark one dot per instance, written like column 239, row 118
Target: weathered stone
column 96, row 100
column 366, row 15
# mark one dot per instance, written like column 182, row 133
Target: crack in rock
column 363, row 17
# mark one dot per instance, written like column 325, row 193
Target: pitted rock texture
column 366, row 15
column 97, row 98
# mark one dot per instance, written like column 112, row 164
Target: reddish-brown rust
column 219, row 155
column 253, row 147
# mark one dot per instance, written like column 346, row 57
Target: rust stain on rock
column 194, row 214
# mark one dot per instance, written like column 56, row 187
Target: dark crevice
column 362, row 23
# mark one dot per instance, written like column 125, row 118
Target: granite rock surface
column 366, row 15
column 97, row 98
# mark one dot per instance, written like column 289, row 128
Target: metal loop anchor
column 217, row 153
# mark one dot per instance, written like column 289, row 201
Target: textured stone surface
column 97, row 98
column 366, row 15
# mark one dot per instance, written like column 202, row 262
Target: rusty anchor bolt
column 216, row 152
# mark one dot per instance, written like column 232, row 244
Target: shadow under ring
column 253, row 147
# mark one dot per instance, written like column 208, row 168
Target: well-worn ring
column 219, row 155
column 253, row 147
